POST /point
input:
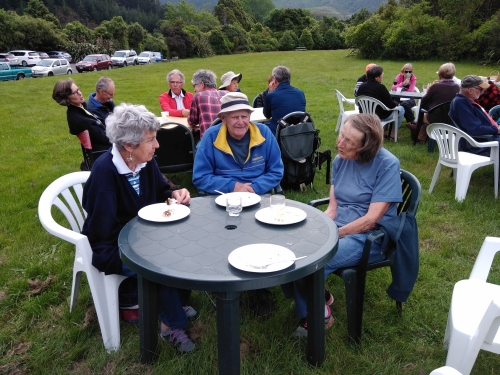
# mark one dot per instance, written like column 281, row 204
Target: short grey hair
column 103, row 84
column 176, row 71
column 128, row 124
column 208, row 78
column 282, row 74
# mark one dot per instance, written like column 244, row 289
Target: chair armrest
column 350, row 101
column 372, row 237
column 319, row 202
column 481, row 269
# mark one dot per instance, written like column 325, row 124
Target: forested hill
column 337, row 8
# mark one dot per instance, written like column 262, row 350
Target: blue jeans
column 348, row 254
column 401, row 115
column 170, row 309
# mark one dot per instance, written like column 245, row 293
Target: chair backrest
column 439, row 114
column 367, row 104
column 66, row 194
column 341, row 98
column 217, row 121
column 495, row 112
column 448, row 138
column 176, row 152
column 412, row 191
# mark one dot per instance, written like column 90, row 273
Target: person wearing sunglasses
column 406, row 81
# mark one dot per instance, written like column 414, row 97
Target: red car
column 95, row 63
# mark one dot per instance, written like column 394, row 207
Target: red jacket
column 168, row 103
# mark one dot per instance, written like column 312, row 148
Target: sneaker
column 328, row 298
column 130, row 314
column 301, row 330
column 179, row 339
column 191, row 313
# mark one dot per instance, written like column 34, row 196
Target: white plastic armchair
column 66, row 194
column 367, row 104
column 463, row 163
column 343, row 114
column 474, row 316
column 416, row 108
column 445, row 370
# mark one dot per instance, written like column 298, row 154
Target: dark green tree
column 178, row 41
column 37, row 9
column 306, row 39
column 238, row 37
column 295, row 20
column 259, row 9
column 136, row 35
column 231, row 11
column 219, row 42
column 288, row 41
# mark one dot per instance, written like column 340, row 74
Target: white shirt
column 178, row 100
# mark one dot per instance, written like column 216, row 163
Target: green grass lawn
column 38, row 335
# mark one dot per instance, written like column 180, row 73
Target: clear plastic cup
column 233, row 205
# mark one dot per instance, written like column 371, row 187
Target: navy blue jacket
column 403, row 231
column 111, row 202
column 282, row 101
column 100, row 110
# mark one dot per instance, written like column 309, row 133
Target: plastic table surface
column 192, row 253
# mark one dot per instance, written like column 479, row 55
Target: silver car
column 51, row 67
column 147, row 57
column 10, row 58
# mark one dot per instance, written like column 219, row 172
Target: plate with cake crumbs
column 284, row 216
column 162, row 212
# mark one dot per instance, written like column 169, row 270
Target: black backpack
column 299, row 142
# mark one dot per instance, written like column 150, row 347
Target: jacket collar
column 171, row 94
column 221, row 144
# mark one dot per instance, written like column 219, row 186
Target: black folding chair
column 176, row 151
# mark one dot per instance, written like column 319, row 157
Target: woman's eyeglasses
column 76, row 91
column 408, row 71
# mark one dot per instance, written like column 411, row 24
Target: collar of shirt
column 178, row 100
column 120, row 164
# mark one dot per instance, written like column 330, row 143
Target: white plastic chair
column 463, row 163
column 66, row 194
column 445, row 370
column 416, row 108
column 343, row 114
column 474, row 317
column 367, row 104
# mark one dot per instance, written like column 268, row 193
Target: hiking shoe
column 328, row 298
column 179, row 339
column 191, row 313
column 301, row 330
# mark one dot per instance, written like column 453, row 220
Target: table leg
column 228, row 332
column 148, row 319
column 315, row 285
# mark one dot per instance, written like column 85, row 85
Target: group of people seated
column 241, row 156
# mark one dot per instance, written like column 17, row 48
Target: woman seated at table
column 124, row 180
column 366, row 188
column 176, row 101
column 68, row 94
column 406, row 81
column 441, row 91
column 230, row 81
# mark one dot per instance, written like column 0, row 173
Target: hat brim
column 484, row 85
column 236, row 107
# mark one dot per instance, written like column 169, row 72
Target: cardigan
column 80, row 119
column 111, row 202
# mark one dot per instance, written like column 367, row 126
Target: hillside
column 333, row 8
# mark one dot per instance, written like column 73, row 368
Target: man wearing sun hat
column 470, row 116
column 230, row 81
column 237, row 155
column 362, row 79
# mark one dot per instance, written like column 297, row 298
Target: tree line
column 399, row 29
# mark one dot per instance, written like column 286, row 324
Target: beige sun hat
column 234, row 101
column 228, row 77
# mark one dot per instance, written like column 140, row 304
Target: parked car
column 43, row 55
column 158, row 56
column 51, row 67
column 9, row 57
column 60, row 55
column 9, row 73
column 25, row 57
column 95, row 63
column 125, row 57
column 146, row 57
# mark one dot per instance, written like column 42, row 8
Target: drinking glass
column 233, row 205
column 164, row 115
column 277, row 202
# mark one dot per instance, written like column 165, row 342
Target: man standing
column 470, row 116
column 284, row 99
column 176, row 101
column 206, row 102
column 373, row 87
column 100, row 102
column 237, row 155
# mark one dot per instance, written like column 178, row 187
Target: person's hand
column 185, row 112
column 181, row 196
column 331, row 213
column 271, row 86
column 245, row 188
column 406, row 82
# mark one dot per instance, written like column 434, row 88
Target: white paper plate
column 260, row 254
column 247, row 199
column 289, row 215
column 156, row 212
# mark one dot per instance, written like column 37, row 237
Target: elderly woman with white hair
column 176, row 101
column 123, row 180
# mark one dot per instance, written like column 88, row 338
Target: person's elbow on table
column 185, row 112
